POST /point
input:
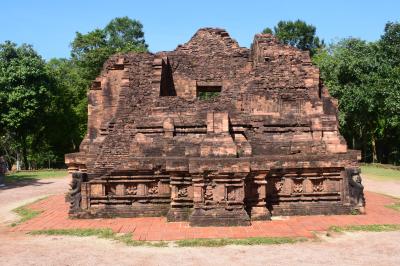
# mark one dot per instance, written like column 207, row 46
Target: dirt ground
column 349, row 249
column 17, row 194
column 386, row 187
column 345, row 249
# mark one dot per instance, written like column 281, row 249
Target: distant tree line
column 43, row 104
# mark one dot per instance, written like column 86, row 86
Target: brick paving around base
column 55, row 216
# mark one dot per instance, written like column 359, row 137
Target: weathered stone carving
column 111, row 190
column 131, row 190
column 152, row 189
column 183, row 192
column 74, row 195
column 318, row 185
column 356, row 189
column 298, row 186
column 208, row 194
column 231, row 195
column 278, row 186
column 213, row 133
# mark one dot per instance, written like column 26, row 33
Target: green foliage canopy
column 43, row 105
column 24, row 93
column 298, row 34
column 91, row 50
column 365, row 78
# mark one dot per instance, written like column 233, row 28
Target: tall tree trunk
column 18, row 161
column 374, row 153
column 24, row 153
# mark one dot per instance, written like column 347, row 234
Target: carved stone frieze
column 297, row 186
column 152, row 189
column 318, row 185
column 131, row 189
column 182, row 192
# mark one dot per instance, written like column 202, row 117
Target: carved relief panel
column 152, row 189
column 278, row 185
column 209, row 192
column 183, row 192
column 131, row 189
column 317, row 185
column 96, row 190
column 297, row 186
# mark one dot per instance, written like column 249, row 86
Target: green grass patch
column 380, row 173
column 104, row 233
column 35, row 175
column 25, row 214
column 128, row 240
column 394, row 206
column 246, row 241
column 366, row 228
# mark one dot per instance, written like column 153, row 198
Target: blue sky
column 50, row 25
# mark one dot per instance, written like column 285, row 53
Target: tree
column 389, row 56
column 298, row 34
column 364, row 77
column 125, row 35
column 91, row 50
column 43, row 106
column 390, row 43
column 268, row 31
column 24, row 94
column 68, row 109
column 69, row 102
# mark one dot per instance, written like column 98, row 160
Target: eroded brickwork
column 214, row 133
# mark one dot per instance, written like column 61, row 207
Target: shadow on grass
column 24, row 182
column 34, row 178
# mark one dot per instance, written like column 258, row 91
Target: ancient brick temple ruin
column 215, row 134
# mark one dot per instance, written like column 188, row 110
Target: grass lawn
column 395, row 206
column 380, row 173
column 127, row 239
column 26, row 213
column 105, row 233
column 245, row 241
column 35, row 175
column 366, row 228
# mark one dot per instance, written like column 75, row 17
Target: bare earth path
column 388, row 187
column 349, row 249
column 25, row 192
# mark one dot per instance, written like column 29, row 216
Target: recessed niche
column 206, row 91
